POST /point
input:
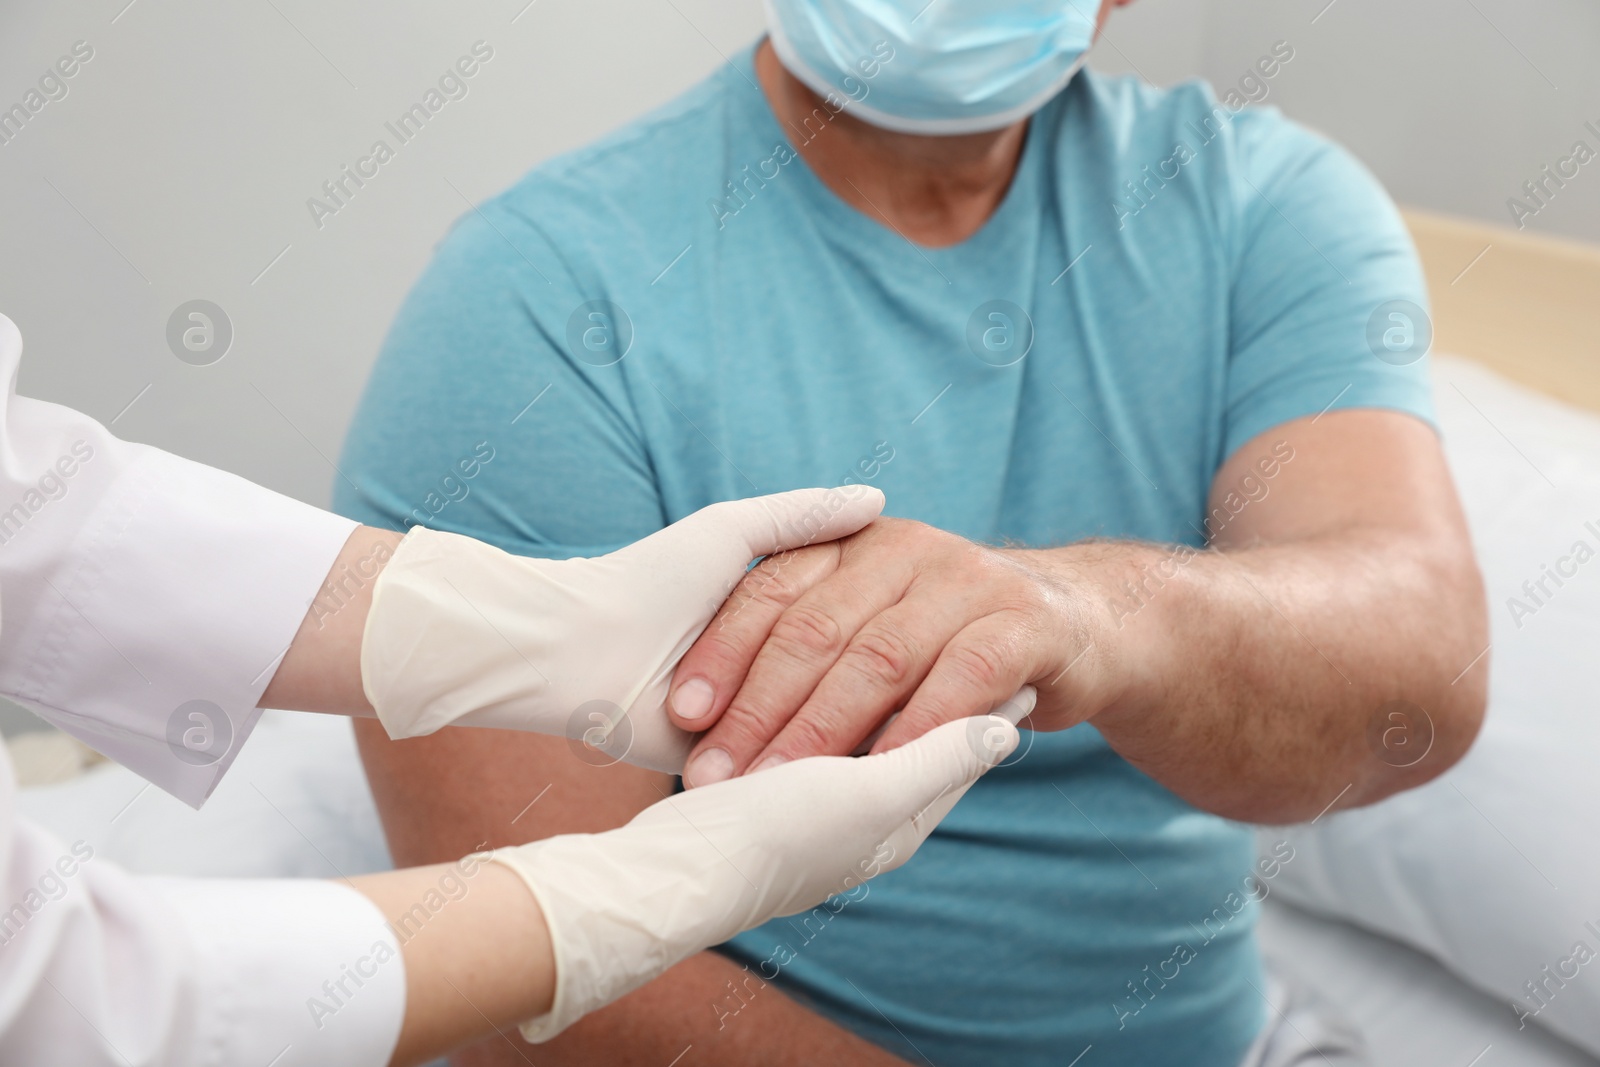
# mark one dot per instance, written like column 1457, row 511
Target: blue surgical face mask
column 934, row 66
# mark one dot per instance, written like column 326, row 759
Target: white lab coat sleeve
column 102, row 969
column 145, row 600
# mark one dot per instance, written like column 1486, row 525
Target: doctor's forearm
column 456, row 791
column 475, row 964
column 322, row 669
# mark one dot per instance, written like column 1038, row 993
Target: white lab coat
column 133, row 583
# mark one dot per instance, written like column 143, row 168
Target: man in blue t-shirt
column 1141, row 373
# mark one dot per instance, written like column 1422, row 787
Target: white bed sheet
column 1412, row 1011
column 295, row 804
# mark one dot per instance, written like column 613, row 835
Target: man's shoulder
column 1133, row 114
column 1127, row 140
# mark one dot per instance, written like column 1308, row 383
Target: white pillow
column 1494, row 868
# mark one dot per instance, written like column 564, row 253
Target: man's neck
column 935, row 191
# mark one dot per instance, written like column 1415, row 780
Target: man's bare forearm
column 1272, row 681
column 1329, row 649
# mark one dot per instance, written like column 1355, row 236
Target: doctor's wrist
column 321, row 671
column 476, row 949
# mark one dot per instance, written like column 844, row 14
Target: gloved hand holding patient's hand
column 697, row 868
column 461, row 632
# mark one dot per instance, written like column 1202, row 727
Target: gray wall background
column 179, row 163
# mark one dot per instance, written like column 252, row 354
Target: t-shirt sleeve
column 1328, row 307
column 480, row 419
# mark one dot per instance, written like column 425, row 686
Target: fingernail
column 769, row 763
column 692, row 700
column 710, row 767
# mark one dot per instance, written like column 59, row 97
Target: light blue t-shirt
column 1080, row 367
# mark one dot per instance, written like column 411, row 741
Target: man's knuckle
column 779, row 580
column 817, row 731
column 716, row 651
column 883, row 653
column 745, row 722
column 741, row 598
column 772, row 587
column 983, row 666
column 806, row 631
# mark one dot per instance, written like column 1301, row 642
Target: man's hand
column 1339, row 590
column 817, row 647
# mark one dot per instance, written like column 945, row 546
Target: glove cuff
column 438, row 642
column 596, row 893
column 566, row 1005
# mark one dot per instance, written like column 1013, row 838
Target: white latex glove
column 697, row 868
column 462, row 632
